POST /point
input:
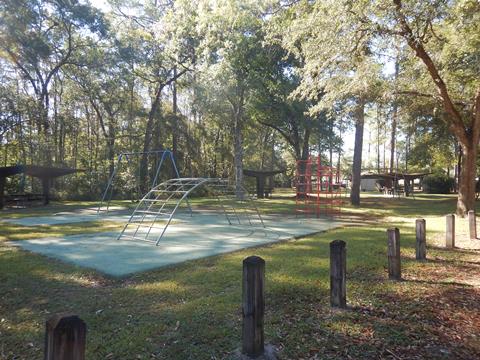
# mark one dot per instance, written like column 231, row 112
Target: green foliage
column 433, row 145
column 79, row 86
column 336, row 60
column 437, row 183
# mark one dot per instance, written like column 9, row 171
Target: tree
column 336, row 63
column 163, row 42
column 445, row 38
column 272, row 106
column 39, row 38
column 232, row 35
column 464, row 119
column 104, row 83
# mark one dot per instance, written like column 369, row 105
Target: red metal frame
column 318, row 188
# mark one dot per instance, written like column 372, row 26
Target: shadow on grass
column 13, row 232
column 465, row 264
column 419, row 207
column 193, row 310
column 432, row 282
column 454, row 250
column 409, row 326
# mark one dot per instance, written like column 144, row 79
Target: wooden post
column 338, row 271
column 46, row 190
column 472, row 224
column 2, row 192
column 450, row 232
column 253, row 306
column 260, row 187
column 421, row 244
column 393, row 252
column 65, row 338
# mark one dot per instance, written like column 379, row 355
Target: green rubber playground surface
column 201, row 235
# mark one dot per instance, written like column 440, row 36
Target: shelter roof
column 394, row 175
column 262, row 173
column 35, row 171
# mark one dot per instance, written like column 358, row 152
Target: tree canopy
column 234, row 84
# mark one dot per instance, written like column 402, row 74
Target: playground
column 239, row 180
column 162, row 255
column 163, row 228
column 203, row 234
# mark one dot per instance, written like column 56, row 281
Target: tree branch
column 282, row 132
column 456, row 119
column 432, row 96
column 13, row 57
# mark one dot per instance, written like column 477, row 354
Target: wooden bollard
column 450, row 231
column 65, row 338
column 472, row 224
column 393, row 252
column 338, row 271
column 421, row 243
column 253, row 306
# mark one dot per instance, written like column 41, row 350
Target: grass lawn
column 193, row 310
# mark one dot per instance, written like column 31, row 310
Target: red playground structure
column 318, row 188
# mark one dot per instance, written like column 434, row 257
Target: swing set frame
column 104, row 204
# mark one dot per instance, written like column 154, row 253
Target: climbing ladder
column 158, row 207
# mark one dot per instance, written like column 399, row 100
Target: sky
column 100, row 4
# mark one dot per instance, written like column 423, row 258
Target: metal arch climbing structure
column 156, row 210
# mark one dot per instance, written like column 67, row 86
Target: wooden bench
column 22, row 199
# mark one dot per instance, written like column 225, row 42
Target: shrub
column 437, row 184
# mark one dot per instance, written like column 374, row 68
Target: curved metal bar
column 184, row 186
column 176, row 207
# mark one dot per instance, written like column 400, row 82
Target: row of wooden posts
column 66, row 334
column 450, row 233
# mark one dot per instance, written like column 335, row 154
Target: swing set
column 128, row 159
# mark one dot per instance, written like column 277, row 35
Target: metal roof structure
column 394, row 175
column 44, row 173
column 260, row 176
column 41, row 172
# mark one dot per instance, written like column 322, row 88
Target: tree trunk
column 392, row 139
column 468, row 172
column 264, row 149
column 339, row 156
column 407, row 150
column 338, row 165
column 306, row 144
column 238, row 153
column 237, row 106
column 458, row 167
column 357, row 153
column 378, row 140
column 147, row 140
column 393, row 134
column 111, row 154
column 175, row 119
